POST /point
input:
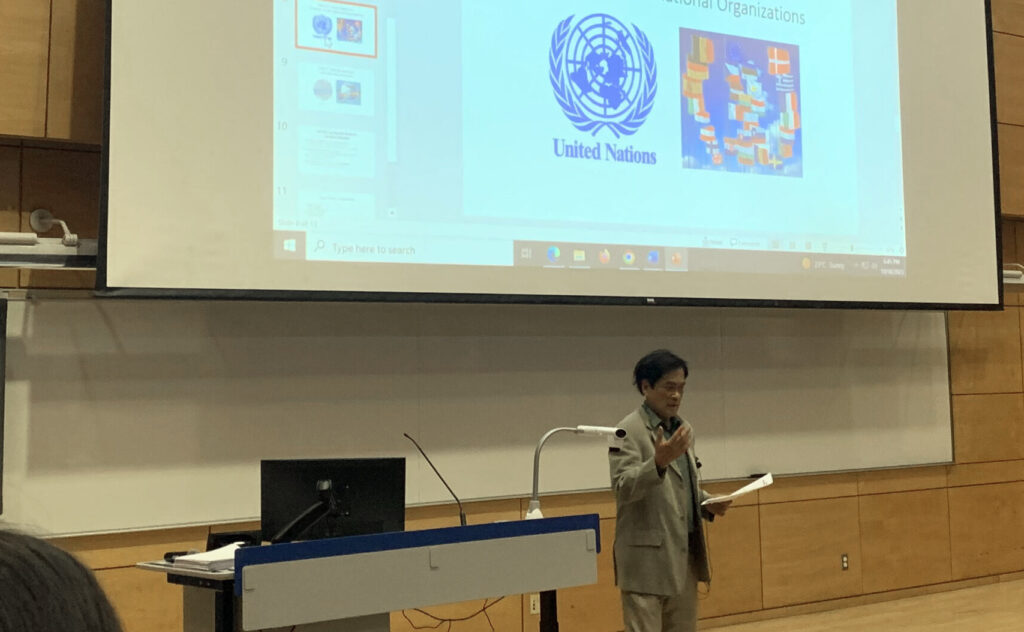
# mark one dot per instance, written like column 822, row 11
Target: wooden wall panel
column 61, row 279
column 1008, row 16
column 986, row 528
column 1013, row 252
column 734, row 541
column 253, row 525
column 1011, row 245
column 1008, row 228
column 901, row 480
column 1016, row 232
column 904, row 539
column 988, row 427
column 984, row 352
column 985, row 473
column 67, row 183
column 801, row 548
column 10, row 188
column 1009, row 54
column 126, row 549
column 794, row 488
column 144, row 601
column 10, row 201
column 77, row 42
column 24, row 43
column 1011, row 172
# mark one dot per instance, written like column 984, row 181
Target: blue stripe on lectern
column 312, row 549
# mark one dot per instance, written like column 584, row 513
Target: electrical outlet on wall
column 846, row 562
column 534, row 603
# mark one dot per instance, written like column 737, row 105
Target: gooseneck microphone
column 462, row 514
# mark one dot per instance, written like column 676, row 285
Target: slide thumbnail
column 338, row 89
column 740, row 104
column 333, row 26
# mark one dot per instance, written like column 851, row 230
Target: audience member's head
column 45, row 589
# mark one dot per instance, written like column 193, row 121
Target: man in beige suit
column 660, row 551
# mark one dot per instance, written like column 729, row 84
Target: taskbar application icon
column 567, row 255
column 289, row 244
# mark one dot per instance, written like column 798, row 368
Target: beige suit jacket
column 652, row 541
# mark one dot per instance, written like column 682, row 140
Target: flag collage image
column 740, row 104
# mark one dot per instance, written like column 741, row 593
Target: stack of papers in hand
column 764, row 481
column 222, row 559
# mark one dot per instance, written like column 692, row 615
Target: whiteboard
column 129, row 414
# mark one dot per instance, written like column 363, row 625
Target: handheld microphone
column 462, row 514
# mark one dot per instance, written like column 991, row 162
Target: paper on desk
column 764, row 481
column 215, row 560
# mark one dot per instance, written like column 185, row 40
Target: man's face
column 666, row 394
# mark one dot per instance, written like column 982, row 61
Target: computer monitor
column 309, row 499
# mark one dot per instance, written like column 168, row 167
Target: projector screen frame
column 103, row 289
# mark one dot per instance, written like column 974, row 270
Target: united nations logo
column 603, row 74
column 322, row 28
column 321, row 25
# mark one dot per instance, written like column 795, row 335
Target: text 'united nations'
column 610, row 152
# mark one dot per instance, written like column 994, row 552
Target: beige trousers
column 658, row 613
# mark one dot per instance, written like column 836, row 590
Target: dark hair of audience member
column 45, row 589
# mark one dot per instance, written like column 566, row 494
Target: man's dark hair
column 654, row 365
column 45, row 589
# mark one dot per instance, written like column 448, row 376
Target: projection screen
column 666, row 151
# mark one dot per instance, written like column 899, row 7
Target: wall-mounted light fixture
column 1013, row 273
column 29, row 250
